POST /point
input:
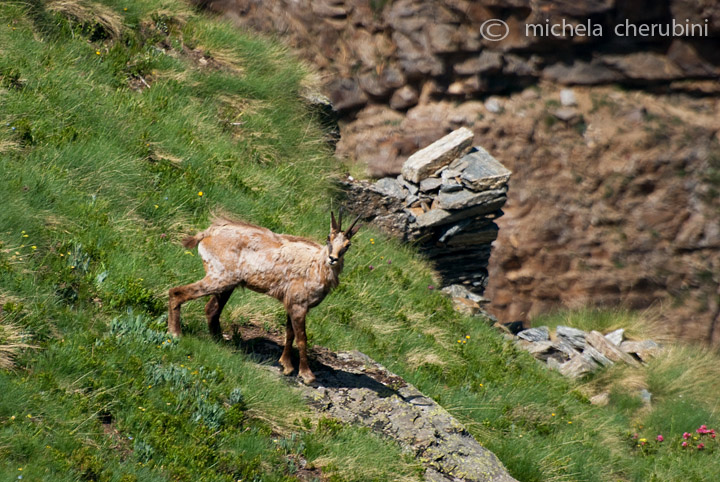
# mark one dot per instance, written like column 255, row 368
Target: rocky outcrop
column 575, row 353
column 445, row 201
column 353, row 388
column 396, row 52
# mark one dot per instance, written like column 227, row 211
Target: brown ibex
column 296, row 271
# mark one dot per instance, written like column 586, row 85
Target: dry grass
column 690, row 371
column 12, row 341
column 419, row 357
column 8, row 146
column 89, row 13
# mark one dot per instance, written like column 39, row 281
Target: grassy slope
column 99, row 184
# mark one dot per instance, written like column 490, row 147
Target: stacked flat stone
column 575, row 353
column 445, row 201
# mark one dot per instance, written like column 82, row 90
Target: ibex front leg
column 297, row 317
column 285, row 359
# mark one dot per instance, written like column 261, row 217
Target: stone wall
column 445, row 201
column 397, row 52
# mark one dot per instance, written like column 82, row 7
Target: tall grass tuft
column 12, row 341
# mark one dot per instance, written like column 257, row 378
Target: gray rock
column 439, row 217
column 459, row 291
column 493, row 105
column 411, row 199
column 566, row 348
column 615, row 337
column 412, row 187
column 578, row 366
column 598, row 341
column 438, row 154
column 645, row 396
column 465, row 199
column 430, row 184
column 601, row 399
column 483, row 171
column 450, row 185
column 388, row 186
column 572, row 336
column 449, row 173
column 566, row 114
column 540, row 333
column 597, row 356
column 645, row 349
column 567, row 98
column 542, row 350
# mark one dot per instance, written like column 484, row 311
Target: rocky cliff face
column 614, row 198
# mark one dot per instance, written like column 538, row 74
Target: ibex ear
column 334, row 227
column 353, row 229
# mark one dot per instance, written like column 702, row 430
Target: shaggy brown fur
column 294, row 270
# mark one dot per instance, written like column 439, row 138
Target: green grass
column 101, row 181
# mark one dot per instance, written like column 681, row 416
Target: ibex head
column 338, row 241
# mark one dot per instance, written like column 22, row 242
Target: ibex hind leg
column 182, row 294
column 213, row 309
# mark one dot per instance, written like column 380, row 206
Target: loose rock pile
column 445, row 201
column 575, row 353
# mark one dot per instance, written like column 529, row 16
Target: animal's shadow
column 330, row 371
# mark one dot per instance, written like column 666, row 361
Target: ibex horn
column 348, row 231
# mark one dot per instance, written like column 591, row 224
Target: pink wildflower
column 371, row 267
column 684, row 444
column 634, row 436
column 431, row 287
column 686, row 435
column 659, row 438
column 702, row 429
column 701, row 446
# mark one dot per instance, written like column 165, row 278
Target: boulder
column 598, row 341
column 404, row 98
column 574, row 337
column 578, row 366
column 597, row 356
column 436, row 155
column 459, row 291
column 430, row 184
column 388, row 186
column 346, row 94
column 483, row 171
column 645, row 349
column 615, row 337
column 540, row 333
column 464, row 198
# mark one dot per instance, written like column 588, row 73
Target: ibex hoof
column 287, row 367
column 307, row 377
